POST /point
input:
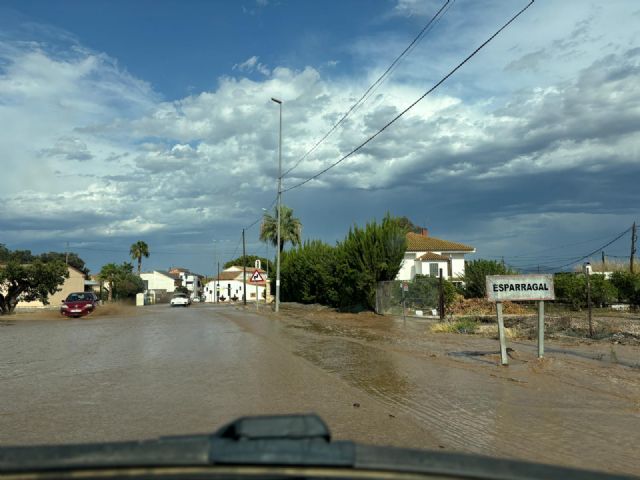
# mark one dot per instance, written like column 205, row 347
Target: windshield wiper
column 288, row 440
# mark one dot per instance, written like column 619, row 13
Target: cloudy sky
column 152, row 120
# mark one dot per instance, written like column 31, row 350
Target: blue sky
column 152, row 120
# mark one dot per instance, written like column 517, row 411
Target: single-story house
column 428, row 255
column 230, row 285
column 160, row 280
column 75, row 283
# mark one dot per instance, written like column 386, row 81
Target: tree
column 571, row 288
column 367, row 256
column 251, row 261
column 138, row 250
column 71, row 259
column 109, row 274
column 475, row 272
column 308, row 274
column 123, row 283
column 628, row 286
column 32, row 281
column 290, row 228
column 409, row 225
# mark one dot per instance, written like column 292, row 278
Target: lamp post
column 277, row 308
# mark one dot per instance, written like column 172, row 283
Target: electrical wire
column 375, row 84
column 392, row 121
column 261, row 216
column 595, row 251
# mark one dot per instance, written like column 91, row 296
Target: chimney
column 424, row 232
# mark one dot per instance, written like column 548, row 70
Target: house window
column 433, row 269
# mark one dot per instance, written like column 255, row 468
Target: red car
column 78, row 304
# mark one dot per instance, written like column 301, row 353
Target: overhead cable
column 392, row 121
column 595, row 251
column 375, row 84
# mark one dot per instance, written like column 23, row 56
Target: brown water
column 374, row 380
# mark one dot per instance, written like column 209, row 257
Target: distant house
column 76, row 282
column 428, row 255
column 160, row 281
column 230, row 285
column 192, row 281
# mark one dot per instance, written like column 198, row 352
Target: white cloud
column 80, row 134
column 252, row 64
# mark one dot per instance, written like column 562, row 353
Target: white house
column 426, row 255
column 230, row 286
column 160, row 280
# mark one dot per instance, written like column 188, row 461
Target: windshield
column 78, row 297
column 416, row 219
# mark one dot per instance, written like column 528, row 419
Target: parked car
column 180, row 300
column 78, row 304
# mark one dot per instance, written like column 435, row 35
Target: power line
column 595, row 251
column 374, row 85
column 261, row 216
column 414, row 103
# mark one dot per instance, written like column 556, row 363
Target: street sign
column 256, row 277
column 405, row 286
column 501, row 288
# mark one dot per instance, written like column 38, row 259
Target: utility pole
column 66, row 255
column 244, row 270
column 217, row 285
column 588, row 274
column 603, row 260
column 277, row 309
column 634, row 239
column 441, row 296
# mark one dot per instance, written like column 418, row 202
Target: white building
column 426, row 255
column 230, row 286
column 159, row 280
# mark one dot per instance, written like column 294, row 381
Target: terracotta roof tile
column 420, row 243
column 433, row 257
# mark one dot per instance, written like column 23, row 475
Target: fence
column 419, row 297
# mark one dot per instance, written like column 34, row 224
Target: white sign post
column 257, row 279
column 517, row 288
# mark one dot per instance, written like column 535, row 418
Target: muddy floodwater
column 161, row 371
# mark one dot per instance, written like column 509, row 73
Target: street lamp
column 277, row 309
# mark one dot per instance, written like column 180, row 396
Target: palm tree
column 109, row 274
column 290, row 227
column 139, row 250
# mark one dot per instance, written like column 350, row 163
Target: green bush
column 628, row 286
column 308, row 274
column 475, row 272
column 571, row 288
column 344, row 276
column 367, row 256
column 603, row 291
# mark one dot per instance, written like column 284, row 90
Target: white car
column 180, row 300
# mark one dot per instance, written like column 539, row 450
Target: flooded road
column 374, row 380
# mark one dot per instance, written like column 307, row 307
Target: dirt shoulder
column 616, row 339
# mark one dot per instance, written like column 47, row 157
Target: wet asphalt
column 165, row 371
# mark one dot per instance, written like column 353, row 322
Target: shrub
column 571, row 288
column 628, row 286
column 475, row 272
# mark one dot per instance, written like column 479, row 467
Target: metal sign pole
column 504, row 360
column 540, row 329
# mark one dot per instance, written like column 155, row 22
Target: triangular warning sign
column 256, row 277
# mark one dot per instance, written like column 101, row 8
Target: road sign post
column 257, row 279
column 517, row 288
